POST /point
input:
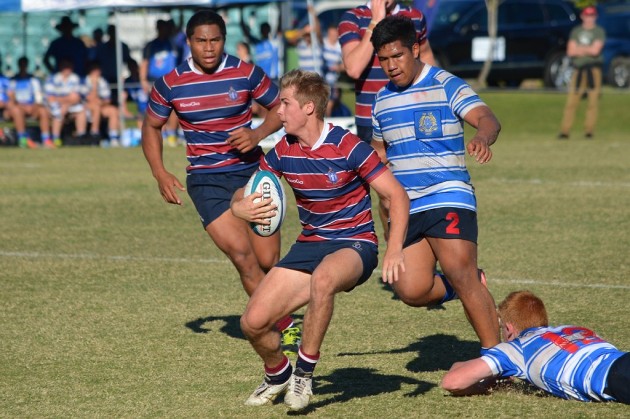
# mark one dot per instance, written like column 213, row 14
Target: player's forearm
column 488, row 127
column 399, row 218
column 358, row 57
column 152, row 148
column 270, row 124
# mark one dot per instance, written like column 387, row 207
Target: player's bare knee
column 253, row 326
column 322, row 287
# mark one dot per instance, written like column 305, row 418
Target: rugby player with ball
column 330, row 171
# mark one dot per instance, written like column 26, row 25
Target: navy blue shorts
column 306, row 256
column 442, row 223
column 212, row 193
column 618, row 381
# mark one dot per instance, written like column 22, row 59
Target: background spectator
column 97, row 97
column 66, row 46
column 106, row 57
column 63, row 94
column 266, row 54
column 26, row 99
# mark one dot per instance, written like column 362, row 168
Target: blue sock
column 450, row 292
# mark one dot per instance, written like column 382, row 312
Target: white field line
column 578, row 183
column 40, row 255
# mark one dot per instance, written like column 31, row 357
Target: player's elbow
column 454, row 384
column 353, row 71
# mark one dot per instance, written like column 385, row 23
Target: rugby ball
column 269, row 186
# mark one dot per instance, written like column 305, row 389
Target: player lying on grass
column 329, row 170
column 567, row 361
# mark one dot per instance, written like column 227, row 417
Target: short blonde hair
column 309, row 86
column 524, row 310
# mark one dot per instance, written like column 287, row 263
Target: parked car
column 532, row 38
column 615, row 19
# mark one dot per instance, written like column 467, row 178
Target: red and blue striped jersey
column 352, row 27
column 209, row 106
column 330, row 182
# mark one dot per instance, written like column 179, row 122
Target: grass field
column 114, row 304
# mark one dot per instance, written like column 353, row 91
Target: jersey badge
column 232, row 94
column 428, row 123
column 332, row 176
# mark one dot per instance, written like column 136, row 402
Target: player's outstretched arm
column 152, row 149
column 393, row 193
column 245, row 139
column 488, row 128
column 468, row 378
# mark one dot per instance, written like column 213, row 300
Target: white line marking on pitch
column 578, row 183
column 39, row 255
column 567, row 284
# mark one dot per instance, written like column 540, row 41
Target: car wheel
column 619, row 72
column 558, row 70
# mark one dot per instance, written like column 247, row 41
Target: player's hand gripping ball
column 269, row 186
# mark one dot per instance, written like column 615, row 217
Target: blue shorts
column 618, row 381
column 306, row 256
column 442, row 223
column 212, row 193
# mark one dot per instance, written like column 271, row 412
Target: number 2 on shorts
column 452, row 227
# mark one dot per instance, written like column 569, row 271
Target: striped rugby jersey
column 330, row 184
column 352, row 27
column 423, row 128
column 209, row 106
column 26, row 89
column 567, row 361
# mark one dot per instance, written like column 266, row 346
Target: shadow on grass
column 345, row 384
column 435, row 353
column 231, row 325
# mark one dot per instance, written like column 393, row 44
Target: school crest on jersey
column 332, row 176
column 428, row 123
column 232, row 94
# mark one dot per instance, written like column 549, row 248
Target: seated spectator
column 97, row 96
column 26, row 99
column 63, row 94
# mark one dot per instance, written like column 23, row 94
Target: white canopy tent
column 118, row 7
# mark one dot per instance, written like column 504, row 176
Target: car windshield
column 449, row 13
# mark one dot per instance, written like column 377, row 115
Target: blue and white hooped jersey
column 4, row 89
column 101, row 87
column 330, row 183
column 567, row 361
column 26, row 90
column 423, row 128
